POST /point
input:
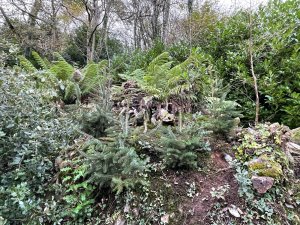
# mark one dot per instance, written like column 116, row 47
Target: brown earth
column 196, row 209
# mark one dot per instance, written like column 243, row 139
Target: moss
column 265, row 166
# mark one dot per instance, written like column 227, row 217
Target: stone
column 274, row 128
column 120, row 221
column 165, row 219
column 126, row 208
column 292, row 148
column 165, row 116
column 264, row 166
column 234, row 211
column 262, row 184
column 295, row 135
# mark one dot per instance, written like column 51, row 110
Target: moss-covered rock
column 265, row 166
column 295, row 135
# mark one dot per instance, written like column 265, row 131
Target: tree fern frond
column 26, row 64
column 61, row 68
column 94, row 75
column 40, row 61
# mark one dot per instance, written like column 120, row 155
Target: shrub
column 223, row 115
column 114, row 166
column 32, row 135
column 181, row 150
column 95, row 123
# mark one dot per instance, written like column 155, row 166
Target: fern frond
column 26, row 64
column 40, row 61
column 61, row 68
column 94, row 75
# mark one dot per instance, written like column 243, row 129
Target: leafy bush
column 275, row 58
column 32, row 135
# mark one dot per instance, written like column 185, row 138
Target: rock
column 165, row 219
column 165, row 116
column 120, row 221
column 234, row 211
column 264, row 166
column 292, row 148
column 77, row 76
column 274, row 128
column 135, row 212
column 126, row 208
column 228, row 158
column 295, row 135
column 262, row 184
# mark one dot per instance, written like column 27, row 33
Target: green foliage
column 72, row 92
column 40, row 61
column 276, row 56
column 94, row 75
column 223, row 115
column 59, row 74
column 292, row 110
column 75, row 51
column 32, row 135
column 27, row 65
column 78, row 195
column 182, row 149
column 95, row 123
column 8, row 52
column 61, row 68
column 115, row 166
column 183, row 81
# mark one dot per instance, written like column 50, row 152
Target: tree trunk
column 104, row 31
column 252, row 69
column 36, row 7
column 54, row 32
column 154, row 20
column 93, row 23
column 190, row 7
column 166, row 14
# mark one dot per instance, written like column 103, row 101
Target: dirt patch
column 196, row 209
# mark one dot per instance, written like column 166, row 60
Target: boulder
column 295, row 135
column 262, row 184
column 265, row 166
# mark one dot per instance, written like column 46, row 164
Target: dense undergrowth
column 99, row 144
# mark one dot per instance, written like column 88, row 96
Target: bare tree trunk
column 104, row 31
column 154, row 20
column 36, row 7
column 8, row 21
column 93, row 11
column 54, row 31
column 252, row 69
column 190, row 7
column 166, row 15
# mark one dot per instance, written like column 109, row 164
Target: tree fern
column 94, row 74
column 61, row 68
column 27, row 65
column 72, row 92
column 40, row 61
